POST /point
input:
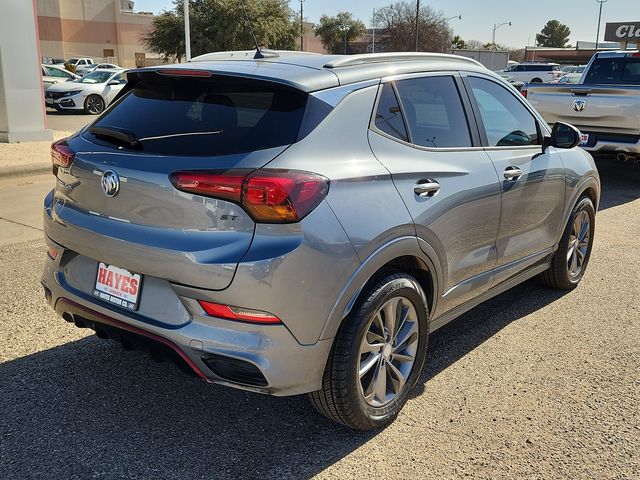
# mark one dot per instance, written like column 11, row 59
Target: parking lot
column 532, row 384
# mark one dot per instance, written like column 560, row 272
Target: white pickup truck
column 604, row 105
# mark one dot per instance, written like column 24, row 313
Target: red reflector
column 184, row 72
column 61, row 153
column 53, row 253
column 237, row 313
column 268, row 196
column 636, row 54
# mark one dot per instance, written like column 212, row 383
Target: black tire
column 537, row 80
column 559, row 275
column 94, row 105
column 342, row 398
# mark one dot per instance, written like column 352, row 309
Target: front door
column 422, row 135
column 532, row 182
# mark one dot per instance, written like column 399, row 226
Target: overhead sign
column 622, row 32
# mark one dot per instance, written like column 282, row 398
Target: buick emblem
column 579, row 105
column 110, row 183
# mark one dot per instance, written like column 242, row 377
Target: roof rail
column 247, row 55
column 367, row 58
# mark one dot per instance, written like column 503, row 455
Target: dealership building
column 105, row 30
column 617, row 36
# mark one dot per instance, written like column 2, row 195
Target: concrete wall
column 22, row 116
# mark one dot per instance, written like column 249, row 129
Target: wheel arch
column 590, row 187
column 406, row 254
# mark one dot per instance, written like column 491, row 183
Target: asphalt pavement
column 532, row 384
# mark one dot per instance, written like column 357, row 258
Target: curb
column 24, row 170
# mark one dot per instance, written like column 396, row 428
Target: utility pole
column 187, row 34
column 373, row 25
column 417, row 23
column 301, row 26
column 599, row 19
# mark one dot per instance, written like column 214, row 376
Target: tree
column 398, row 28
column 474, row 45
column 554, row 34
column 219, row 25
column 458, row 43
column 337, row 32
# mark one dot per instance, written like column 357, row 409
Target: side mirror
column 563, row 135
column 113, row 82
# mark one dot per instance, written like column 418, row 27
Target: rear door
column 422, row 135
column 532, row 182
column 200, row 123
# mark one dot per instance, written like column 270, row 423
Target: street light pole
column 493, row 41
column 417, row 22
column 459, row 17
column 187, row 34
column 599, row 19
column 301, row 26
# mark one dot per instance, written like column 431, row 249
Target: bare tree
column 397, row 26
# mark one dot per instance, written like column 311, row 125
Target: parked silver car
column 91, row 93
column 300, row 223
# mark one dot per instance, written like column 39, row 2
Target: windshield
column 72, row 60
column 96, row 77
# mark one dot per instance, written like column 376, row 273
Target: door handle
column 512, row 173
column 426, row 188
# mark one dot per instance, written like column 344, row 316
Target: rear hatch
column 164, row 124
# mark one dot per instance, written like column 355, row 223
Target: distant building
column 105, row 30
column 310, row 43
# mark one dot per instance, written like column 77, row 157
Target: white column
column 22, row 112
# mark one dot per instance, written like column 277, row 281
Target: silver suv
column 300, row 223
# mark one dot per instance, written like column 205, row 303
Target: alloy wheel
column 579, row 239
column 95, row 105
column 388, row 351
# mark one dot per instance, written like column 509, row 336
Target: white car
column 91, row 93
column 84, row 69
column 534, row 72
column 53, row 74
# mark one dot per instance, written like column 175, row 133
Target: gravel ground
column 532, row 384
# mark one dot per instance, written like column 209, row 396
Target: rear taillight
column 268, row 196
column 238, row 313
column 523, row 91
column 61, row 154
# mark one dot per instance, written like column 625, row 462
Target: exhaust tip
column 68, row 317
column 622, row 157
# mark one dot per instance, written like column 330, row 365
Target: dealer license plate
column 584, row 138
column 118, row 286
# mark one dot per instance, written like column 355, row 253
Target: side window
column 388, row 115
column 122, row 78
column 506, row 121
column 54, row 72
column 434, row 112
column 520, row 68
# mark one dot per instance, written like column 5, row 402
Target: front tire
column 377, row 355
column 572, row 257
column 94, row 105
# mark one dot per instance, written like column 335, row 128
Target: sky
column 479, row 16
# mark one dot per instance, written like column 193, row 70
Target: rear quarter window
column 212, row 116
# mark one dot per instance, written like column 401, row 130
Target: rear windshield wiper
column 114, row 133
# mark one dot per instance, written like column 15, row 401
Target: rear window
column 614, row 70
column 207, row 116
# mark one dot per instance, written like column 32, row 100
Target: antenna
column 250, row 25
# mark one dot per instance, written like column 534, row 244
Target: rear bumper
column 286, row 366
column 613, row 143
